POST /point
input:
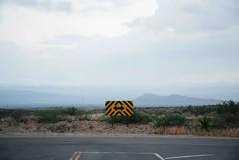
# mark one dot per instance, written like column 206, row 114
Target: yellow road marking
column 73, row 156
column 78, row 156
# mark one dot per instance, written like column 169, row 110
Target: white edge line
column 156, row 154
column 160, row 157
column 190, row 156
column 114, row 153
column 73, row 156
column 78, row 156
column 120, row 152
column 96, row 152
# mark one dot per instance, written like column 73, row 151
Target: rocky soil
column 91, row 127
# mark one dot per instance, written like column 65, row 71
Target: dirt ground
column 98, row 127
column 77, row 127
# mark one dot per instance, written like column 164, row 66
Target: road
column 118, row 148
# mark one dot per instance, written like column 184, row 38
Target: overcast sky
column 119, row 42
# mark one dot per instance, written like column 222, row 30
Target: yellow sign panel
column 119, row 108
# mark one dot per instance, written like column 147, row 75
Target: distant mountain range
column 172, row 100
column 17, row 98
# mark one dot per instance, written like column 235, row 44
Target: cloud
column 70, row 6
column 192, row 16
column 217, row 15
column 33, row 25
column 135, row 43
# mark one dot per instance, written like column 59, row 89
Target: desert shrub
column 50, row 116
column 70, row 111
column 228, row 107
column 138, row 117
column 170, row 120
column 51, row 128
column 229, row 111
column 189, row 109
column 24, row 120
column 103, row 118
column 159, row 113
column 203, row 110
column 218, row 122
column 204, row 123
column 60, row 114
column 200, row 110
column 84, row 117
column 81, row 112
column 5, row 112
column 17, row 115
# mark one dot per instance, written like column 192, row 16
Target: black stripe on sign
column 119, row 113
column 112, row 113
column 126, row 113
column 106, row 104
column 130, row 103
column 128, row 106
column 109, row 105
column 108, row 111
column 118, row 102
column 131, row 113
column 123, row 113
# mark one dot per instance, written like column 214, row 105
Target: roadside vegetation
column 48, row 115
column 216, row 120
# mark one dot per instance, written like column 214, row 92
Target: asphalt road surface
column 118, row 148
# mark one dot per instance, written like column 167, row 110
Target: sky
column 119, row 42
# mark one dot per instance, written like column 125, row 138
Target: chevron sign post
column 119, row 108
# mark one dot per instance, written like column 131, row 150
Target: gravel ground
column 101, row 128
column 76, row 127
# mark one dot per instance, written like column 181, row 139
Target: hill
column 171, row 100
column 16, row 97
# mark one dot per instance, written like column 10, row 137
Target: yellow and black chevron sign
column 119, row 108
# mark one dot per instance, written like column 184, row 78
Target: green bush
column 17, row 116
column 218, row 122
column 229, row 111
column 80, row 112
column 70, row 111
column 170, row 120
column 5, row 112
column 50, row 116
column 60, row 114
column 84, row 117
column 103, row 118
column 204, row 123
column 200, row 110
column 189, row 109
column 228, row 107
column 52, row 128
column 138, row 117
column 205, row 110
column 159, row 113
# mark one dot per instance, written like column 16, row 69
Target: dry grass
column 184, row 131
column 194, row 118
column 171, row 131
column 96, row 125
column 97, row 116
column 230, row 132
